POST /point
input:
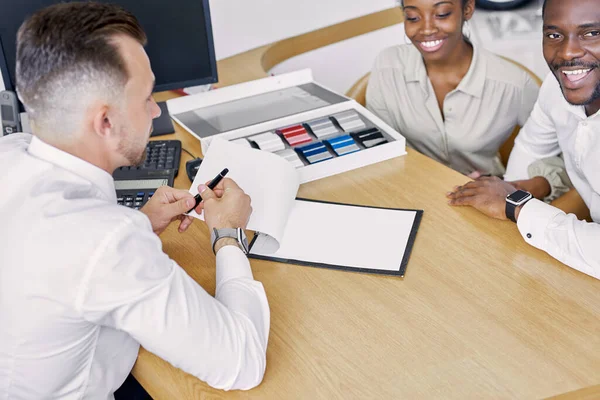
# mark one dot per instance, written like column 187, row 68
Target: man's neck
column 593, row 108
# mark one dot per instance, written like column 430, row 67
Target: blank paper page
column 346, row 235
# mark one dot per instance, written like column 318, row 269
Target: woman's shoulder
column 398, row 56
column 505, row 71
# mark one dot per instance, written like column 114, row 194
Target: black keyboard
column 136, row 185
column 160, row 155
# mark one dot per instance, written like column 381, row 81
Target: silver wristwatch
column 237, row 234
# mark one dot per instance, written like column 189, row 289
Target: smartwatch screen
column 518, row 196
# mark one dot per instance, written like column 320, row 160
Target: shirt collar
column 98, row 177
column 578, row 111
column 472, row 83
column 474, row 80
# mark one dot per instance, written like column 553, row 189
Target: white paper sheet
column 345, row 235
column 270, row 181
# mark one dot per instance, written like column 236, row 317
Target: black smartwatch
column 514, row 200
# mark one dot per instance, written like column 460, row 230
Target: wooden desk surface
column 480, row 313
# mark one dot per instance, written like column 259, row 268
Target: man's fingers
column 180, row 194
column 463, row 193
column 185, row 223
column 181, row 206
column 463, row 201
column 458, row 189
column 229, row 184
column 206, row 193
column 473, row 185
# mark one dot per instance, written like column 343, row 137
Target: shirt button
column 529, row 236
column 584, row 123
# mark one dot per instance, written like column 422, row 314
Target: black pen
column 211, row 185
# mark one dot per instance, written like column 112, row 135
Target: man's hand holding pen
column 224, row 203
column 226, row 206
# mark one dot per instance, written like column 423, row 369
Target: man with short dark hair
column 83, row 281
column 566, row 118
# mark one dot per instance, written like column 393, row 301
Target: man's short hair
column 64, row 52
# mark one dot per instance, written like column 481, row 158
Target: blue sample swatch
column 342, row 145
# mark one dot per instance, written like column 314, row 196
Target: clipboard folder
column 346, row 237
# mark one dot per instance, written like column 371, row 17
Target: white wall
column 340, row 65
column 515, row 34
column 241, row 25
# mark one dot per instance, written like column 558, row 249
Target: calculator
column 136, row 185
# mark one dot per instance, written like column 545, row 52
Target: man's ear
column 102, row 122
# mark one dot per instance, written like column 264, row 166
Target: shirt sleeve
column 133, row 286
column 537, row 139
column 564, row 237
column 554, row 171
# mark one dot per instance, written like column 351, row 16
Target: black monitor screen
column 180, row 41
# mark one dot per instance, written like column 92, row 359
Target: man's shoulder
column 15, row 141
column 14, row 144
column 103, row 217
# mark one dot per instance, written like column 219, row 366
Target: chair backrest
column 359, row 93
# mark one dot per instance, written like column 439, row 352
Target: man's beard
column 595, row 95
column 131, row 150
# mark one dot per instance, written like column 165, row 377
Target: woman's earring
column 467, row 30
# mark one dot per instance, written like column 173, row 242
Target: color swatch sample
column 370, row 137
column 343, row 145
column 322, row 127
column 291, row 156
column 315, row 152
column 350, row 121
column 268, row 141
column 242, row 142
column 295, row 135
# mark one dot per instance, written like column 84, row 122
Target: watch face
column 518, row 196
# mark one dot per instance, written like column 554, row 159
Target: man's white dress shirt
column 84, row 282
column 555, row 126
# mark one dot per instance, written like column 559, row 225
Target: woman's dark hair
column 464, row 2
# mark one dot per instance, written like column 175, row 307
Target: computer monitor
column 180, row 40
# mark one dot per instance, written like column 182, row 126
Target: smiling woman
column 453, row 101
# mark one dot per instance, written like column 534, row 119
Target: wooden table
column 480, row 313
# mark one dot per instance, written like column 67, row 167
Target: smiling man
column 566, row 118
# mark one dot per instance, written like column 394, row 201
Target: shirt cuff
column 534, row 218
column 232, row 263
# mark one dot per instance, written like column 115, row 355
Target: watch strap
column 511, row 206
column 233, row 233
column 510, row 211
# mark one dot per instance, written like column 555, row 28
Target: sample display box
column 320, row 132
